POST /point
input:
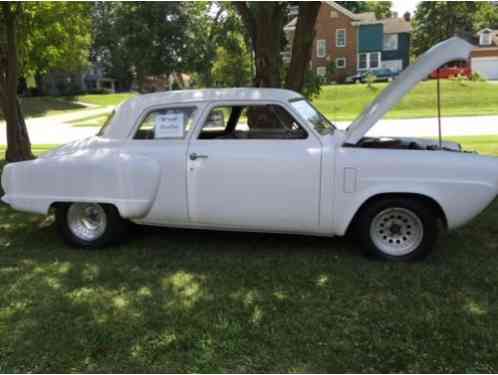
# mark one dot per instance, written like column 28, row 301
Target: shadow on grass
column 198, row 301
column 42, row 106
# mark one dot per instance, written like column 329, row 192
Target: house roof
column 396, row 26
column 356, row 17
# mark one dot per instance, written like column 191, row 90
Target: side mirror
column 216, row 119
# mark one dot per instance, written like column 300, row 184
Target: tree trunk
column 264, row 21
column 18, row 144
column 302, row 45
column 140, row 79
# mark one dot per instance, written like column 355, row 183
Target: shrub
column 476, row 77
column 312, row 84
column 460, row 79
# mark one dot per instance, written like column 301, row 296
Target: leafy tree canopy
column 142, row 37
column 435, row 21
column 58, row 36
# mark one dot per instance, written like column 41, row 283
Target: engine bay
column 407, row 144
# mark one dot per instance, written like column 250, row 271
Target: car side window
column 251, row 122
column 167, row 123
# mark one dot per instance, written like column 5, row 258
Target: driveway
column 56, row 130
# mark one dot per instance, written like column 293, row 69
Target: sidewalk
column 428, row 127
column 56, row 130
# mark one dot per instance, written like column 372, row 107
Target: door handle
column 195, row 156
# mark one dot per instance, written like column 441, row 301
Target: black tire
column 114, row 232
column 376, row 209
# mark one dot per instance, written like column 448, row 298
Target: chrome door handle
column 195, row 156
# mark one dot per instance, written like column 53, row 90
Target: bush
column 460, row 79
column 312, row 84
column 476, row 77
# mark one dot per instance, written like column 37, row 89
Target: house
column 484, row 58
column 354, row 42
column 58, row 82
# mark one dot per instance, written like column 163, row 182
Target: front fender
column 460, row 201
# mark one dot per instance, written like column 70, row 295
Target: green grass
column 91, row 121
column 345, row 102
column 102, row 99
column 45, row 106
column 198, row 301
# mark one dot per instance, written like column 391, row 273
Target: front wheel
column 89, row 225
column 398, row 229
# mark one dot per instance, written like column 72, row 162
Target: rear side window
column 167, row 123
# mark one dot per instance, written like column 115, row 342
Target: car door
column 254, row 171
column 162, row 135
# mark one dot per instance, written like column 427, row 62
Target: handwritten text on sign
column 169, row 125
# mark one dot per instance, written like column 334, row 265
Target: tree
column 436, row 21
column 33, row 39
column 382, row 9
column 59, row 38
column 302, row 45
column 141, row 38
column 18, row 143
column 264, row 22
column 486, row 16
column 215, row 31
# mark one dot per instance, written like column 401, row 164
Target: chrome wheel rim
column 397, row 231
column 87, row 221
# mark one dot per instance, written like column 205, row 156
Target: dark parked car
column 381, row 74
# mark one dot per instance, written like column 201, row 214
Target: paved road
column 56, row 130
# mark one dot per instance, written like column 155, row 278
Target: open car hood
column 449, row 50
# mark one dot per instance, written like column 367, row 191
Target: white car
column 259, row 160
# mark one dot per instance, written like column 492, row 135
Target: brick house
column 355, row 41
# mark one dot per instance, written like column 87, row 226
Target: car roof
column 127, row 112
column 204, row 95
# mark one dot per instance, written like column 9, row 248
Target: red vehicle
column 452, row 70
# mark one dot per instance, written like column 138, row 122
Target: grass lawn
column 102, row 99
column 45, row 106
column 198, row 301
column 345, row 102
column 91, row 121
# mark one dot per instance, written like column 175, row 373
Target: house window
column 374, row 60
column 390, row 42
column 485, row 38
column 340, row 63
column 370, row 60
column 363, row 61
column 340, row 38
column 321, row 48
column 321, row 71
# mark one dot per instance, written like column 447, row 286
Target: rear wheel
column 398, row 228
column 89, row 225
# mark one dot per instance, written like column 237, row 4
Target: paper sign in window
column 169, row 125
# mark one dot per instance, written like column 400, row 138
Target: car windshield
column 311, row 114
column 106, row 124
